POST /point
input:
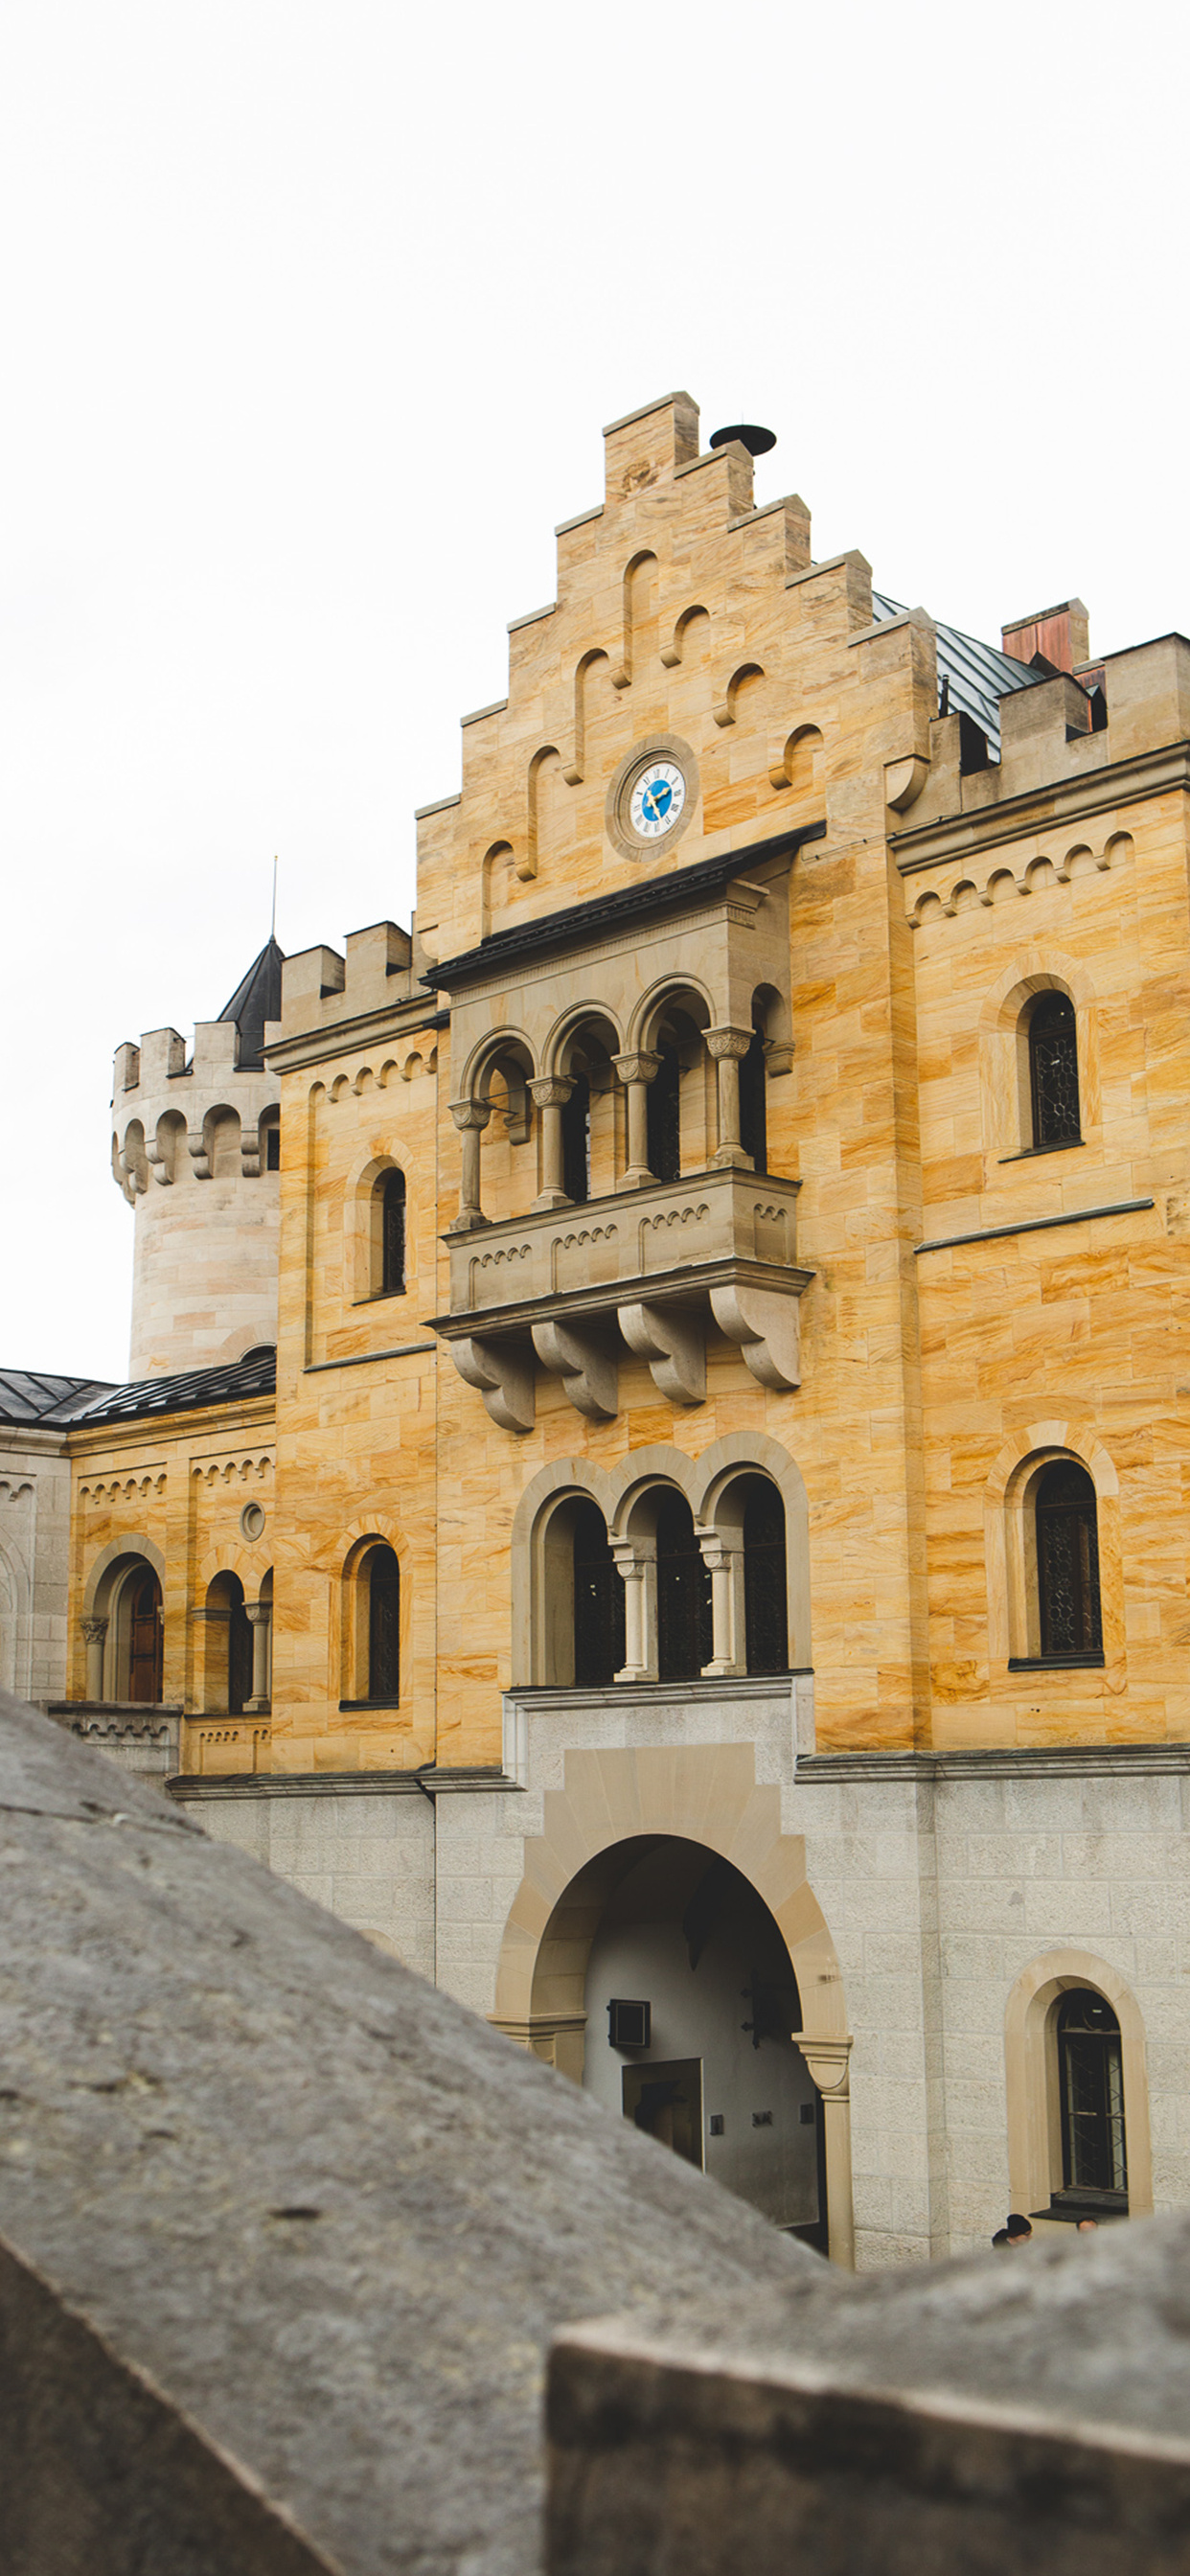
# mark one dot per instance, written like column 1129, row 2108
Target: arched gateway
column 654, row 1855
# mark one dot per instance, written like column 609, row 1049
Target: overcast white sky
column 311, row 317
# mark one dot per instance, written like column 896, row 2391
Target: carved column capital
column 551, row 1090
column 470, row 1115
column 640, row 1065
column 829, row 2061
column 94, row 1631
column 724, row 1041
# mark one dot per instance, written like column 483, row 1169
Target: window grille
column 576, row 1141
column 384, row 1624
column 1091, row 2090
column 1053, row 1073
column 599, row 1648
column 392, row 1260
column 663, row 1114
column 1068, row 1562
column 766, row 1625
column 683, row 1594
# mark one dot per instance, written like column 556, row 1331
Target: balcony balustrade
column 567, row 1287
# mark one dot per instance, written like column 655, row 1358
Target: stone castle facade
column 713, row 1545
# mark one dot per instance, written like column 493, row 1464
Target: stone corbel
column 904, row 781
column 767, row 1326
column 588, row 1372
column 157, row 1164
column 196, row 1147
column 674, row 1344
column 503, row 1373
column 778, row 1057
column 829, row 2062
column 250, row 1156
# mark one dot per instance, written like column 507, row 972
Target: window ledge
column 1088, row 1662
column 348, row 1704
column 1032, row 1153
column 379, row 1296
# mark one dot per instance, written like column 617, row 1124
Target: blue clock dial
column 657, row 799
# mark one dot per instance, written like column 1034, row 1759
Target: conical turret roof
column 256, row 999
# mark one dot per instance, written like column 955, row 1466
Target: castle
column 654, row 1476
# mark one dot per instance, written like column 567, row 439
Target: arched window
column 599, row 1649
column 380, row 1576
column 663, row 1117
column 228, row 1671
column 766, row 1621
column 145, row 1637
column 1053, row 1073
column 1091, row 2098
column 392, row 1234
column 1070, row 1618
column 683, row 1594
column 576, row 1141
column 753, row 1104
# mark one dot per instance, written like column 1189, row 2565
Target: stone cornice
column 147, row 1431
column 998, row 1762
column 405, row 1018
column 1064, row 802
column 192, row 1788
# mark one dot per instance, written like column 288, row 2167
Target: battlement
column 321, row 989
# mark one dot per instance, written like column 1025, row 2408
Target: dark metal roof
column 979, row 674
column 256, row 999
column 257, row 1375
column 28, row 1396
column 582, row 921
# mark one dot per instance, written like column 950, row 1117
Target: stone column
column 551, row 1093
column 829, row 2062
column 636, row 1072
column 636, row 1564
column 727, row 1046
column 260, row 1614
column 95, row 1631
column 729, row 1651
column 470, row 1117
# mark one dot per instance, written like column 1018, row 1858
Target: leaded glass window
column 599, row 1649
column 1091, row 2090
column 1053, row 1072
column 393, row 1234
column 1068, row 1562
column 576, row 1141
column 683, row 1594
column 765, row 1615
column 384, row 1624
column 753, row 1120
column 663, row 1113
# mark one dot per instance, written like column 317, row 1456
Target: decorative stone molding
column 767, row 1327
column 674, row 1344
column 503, row 1374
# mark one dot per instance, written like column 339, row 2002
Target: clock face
column 657, row 799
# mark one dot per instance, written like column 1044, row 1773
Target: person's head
column 1000, row 2239
column 1018, row 2230
column 1087, row 2226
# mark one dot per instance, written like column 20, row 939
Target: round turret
column 196, row 1151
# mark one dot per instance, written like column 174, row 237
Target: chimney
column 1061, row 635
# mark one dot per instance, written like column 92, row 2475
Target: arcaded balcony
column 650, row 1268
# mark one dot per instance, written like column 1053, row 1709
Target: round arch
column 663, row 996
column 1030, row 2076
column 1007, row 1491
column 702, row 1793
column 580, row 1016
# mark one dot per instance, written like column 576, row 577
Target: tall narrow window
column 1053, row 1073
column 145, row 1638
column 392, row 1234
column 753, row 1104
column 766, row 1625
column 683, row 1594
column 384, row 1624
column 599, row 1648
column 1091, row 2092
column 1068, row 1563
column 663, row 1112
column 576, row 1141
column 239, row 1652
column 272, row 1148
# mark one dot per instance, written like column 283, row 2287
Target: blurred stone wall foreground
column 285, row 2235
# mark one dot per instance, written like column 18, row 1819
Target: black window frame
column 393, row 1233
column 1053, row 1072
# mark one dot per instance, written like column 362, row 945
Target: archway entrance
column 692, row 2005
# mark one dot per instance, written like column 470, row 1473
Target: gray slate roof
column 28, row 1396
column 979, row 674
column 256, row 1375
column 257, row 998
